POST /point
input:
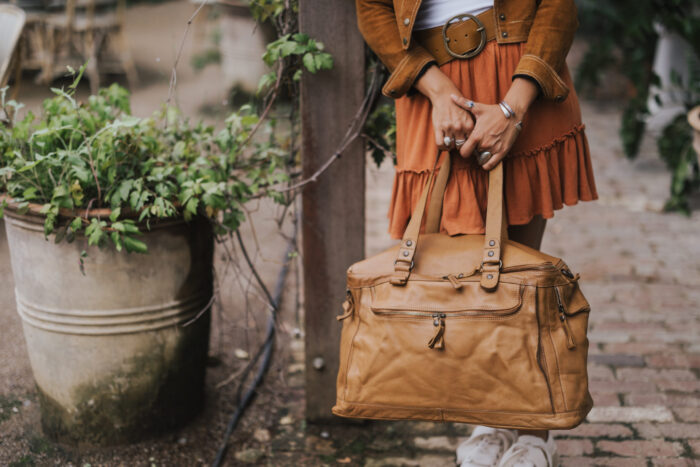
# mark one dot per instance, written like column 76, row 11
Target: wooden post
column 333, row 222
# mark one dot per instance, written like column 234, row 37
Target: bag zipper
column 563, row 315
column 454, row 277
column 438, row 340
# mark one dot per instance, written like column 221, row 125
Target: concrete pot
column 110, row 355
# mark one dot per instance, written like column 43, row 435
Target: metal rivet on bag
column 409, row 243
column 489, row 276
column 406, row 253
column 460, row 275
column 492, row 243
column 504, row 34
column 490, row 253
column 502, row 16
column 405, row 41
column 406, row 21
column 318, row 363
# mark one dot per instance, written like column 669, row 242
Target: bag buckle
column 479, row 27
column 500, row 264
column 410, row 267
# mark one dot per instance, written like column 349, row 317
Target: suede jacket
column 547, row 27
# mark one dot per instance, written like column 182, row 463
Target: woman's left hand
column 492, row 132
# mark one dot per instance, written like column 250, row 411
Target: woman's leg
column 530, row 235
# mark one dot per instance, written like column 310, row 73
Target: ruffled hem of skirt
column 537, row 182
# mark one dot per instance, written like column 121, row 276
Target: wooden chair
column 88, row 31
column 11, row 24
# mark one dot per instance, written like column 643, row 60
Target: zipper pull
column 438, row 340
column 570, row 342
column 348, row 306
column 453, row 280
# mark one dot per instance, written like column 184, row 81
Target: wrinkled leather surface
column 547, row 27
column 443, row 345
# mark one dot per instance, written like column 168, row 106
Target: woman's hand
column 494, row 132
column 448, row 118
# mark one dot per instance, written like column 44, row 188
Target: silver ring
column 447, row 140
column 460, row 142
column 470, row 104
column 483, row 157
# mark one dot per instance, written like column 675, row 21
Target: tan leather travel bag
column 471, row 328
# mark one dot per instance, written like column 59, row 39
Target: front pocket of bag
column 483, row 355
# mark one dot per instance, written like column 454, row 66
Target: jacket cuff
column 406, row 72
column 551, row 84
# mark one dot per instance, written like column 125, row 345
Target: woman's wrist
column 434, row 83
column 520, row 96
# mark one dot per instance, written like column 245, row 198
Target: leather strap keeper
column 463, row 36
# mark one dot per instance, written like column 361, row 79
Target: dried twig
column 173, row 74
column 353, row 132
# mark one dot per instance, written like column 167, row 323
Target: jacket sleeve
column 376, row 21
column 548, row 43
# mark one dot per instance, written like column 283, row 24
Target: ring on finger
column 483, row 157
column 447, row 140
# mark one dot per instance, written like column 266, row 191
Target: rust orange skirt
column 548, row 166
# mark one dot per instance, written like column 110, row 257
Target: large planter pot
column 111, row 355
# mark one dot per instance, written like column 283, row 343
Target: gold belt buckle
column 479, row 27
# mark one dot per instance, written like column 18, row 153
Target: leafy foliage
column 622, row 33
column 380, row 130
column 675, row 148
column 81, row 156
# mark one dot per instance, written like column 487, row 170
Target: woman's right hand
column 448, row 118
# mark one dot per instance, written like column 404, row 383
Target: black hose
column 265, row 350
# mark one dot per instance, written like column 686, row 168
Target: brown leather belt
column 462, row 36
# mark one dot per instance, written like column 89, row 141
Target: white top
column 434, row 13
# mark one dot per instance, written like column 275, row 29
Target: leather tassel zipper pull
column 438, row 340
column 453, row 280
column 348, row 307
column 570, row 342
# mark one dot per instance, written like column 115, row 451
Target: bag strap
column 496, row 226
column 432, row 223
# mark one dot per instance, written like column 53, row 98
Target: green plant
column 79, row 157
column 622, row 34
column 380, row 132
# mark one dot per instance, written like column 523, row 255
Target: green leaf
column 76, row 224
column 134, row 246
column 115, row 214
column 309, row 62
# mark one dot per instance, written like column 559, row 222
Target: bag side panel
column 566, row 332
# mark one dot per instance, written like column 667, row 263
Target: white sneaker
column 531, row 451
column 485, row 446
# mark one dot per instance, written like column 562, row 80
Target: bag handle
column 496, row 226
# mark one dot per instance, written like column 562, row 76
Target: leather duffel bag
column 470, row 328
